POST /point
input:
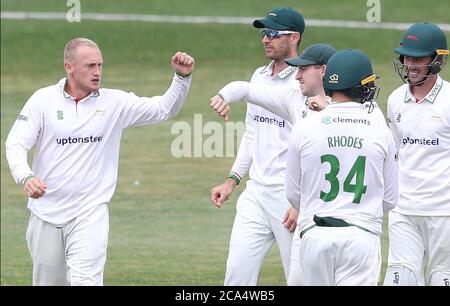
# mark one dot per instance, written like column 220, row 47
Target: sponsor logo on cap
column 412, row 37
column 272, row 14
column 334, row 78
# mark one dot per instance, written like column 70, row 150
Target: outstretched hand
column 183, row 63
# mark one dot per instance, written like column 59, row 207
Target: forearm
column 144, row 110
column 234, row 91
column 243, row 160
column 292, row 192
column 175, row 96
column 269, row 97
column 292, row 179
column 244, row 156
column 16, row 155
column 279, row 100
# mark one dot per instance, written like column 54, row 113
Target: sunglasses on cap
column 273, row 34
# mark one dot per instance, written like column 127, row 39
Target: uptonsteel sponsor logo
column 273, row 121
column 73, row 140
column 420, row 141
column 329, row 120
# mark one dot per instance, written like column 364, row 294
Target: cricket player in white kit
column 263, row 214
column 76, row 127
column 290, row 103
column 419, row 117
column 341, row 175
column 286, row 102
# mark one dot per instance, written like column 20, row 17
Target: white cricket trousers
column 72, row 254
column 257, row 225
column 339, row 256
column 412, row 239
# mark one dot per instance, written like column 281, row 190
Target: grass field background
column 165, row 231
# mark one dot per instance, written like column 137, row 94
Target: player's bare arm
column 220, row 106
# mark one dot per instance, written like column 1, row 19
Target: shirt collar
column 349, row 104
column 62, row 84
column 282, row 74
column 430, row 97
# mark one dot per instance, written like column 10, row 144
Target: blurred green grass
column 391, row 11
column 164, row 231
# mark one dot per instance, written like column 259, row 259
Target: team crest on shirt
column 22, row 117
column 59, row 114
column 100, row 111
column 436, row 118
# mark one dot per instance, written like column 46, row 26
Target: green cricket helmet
column 350, row 71
column 422, row 40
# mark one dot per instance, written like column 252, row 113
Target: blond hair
column 72, row 45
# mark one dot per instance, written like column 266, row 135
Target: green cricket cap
column 317, row 54
column 282, row 19
column 347, row 69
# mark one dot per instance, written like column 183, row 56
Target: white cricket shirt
column 263, row 146
column 77, row 144
column 341, row 164
column 422, row 132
